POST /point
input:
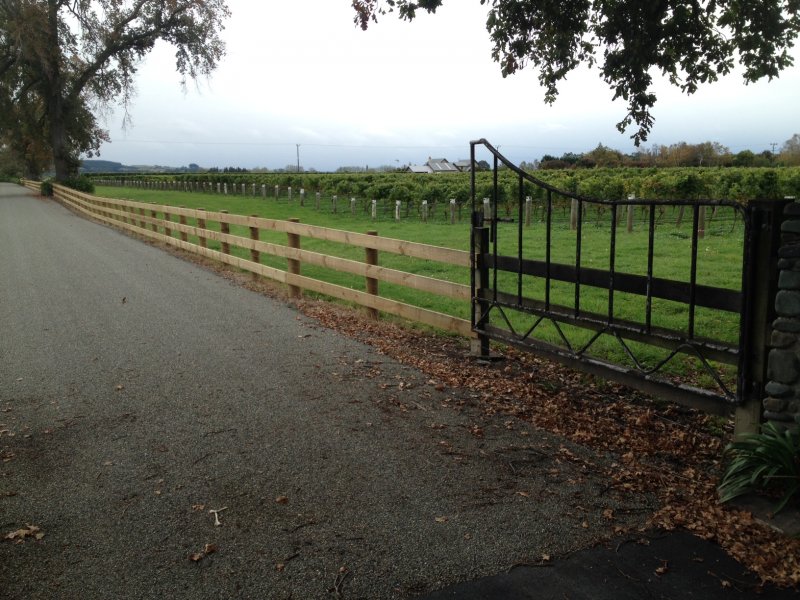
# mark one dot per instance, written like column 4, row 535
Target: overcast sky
column 300, row 72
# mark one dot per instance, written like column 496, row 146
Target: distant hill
column 107, row 166
column 103, row 166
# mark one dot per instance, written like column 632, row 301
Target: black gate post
column 480, row 304
column 759, row 286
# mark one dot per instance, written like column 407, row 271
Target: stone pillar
column 782, row 404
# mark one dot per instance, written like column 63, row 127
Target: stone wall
column 782, row 404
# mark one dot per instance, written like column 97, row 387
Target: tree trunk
column 58, row 142
column 56, row 108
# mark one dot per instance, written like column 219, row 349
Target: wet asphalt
column 138, row 392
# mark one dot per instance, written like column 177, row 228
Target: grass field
column 718, row 264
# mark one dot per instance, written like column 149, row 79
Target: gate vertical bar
column 520, row 195
column 693, row 274
column 579, row 234
column 650, row 242
column 612, row 263
column 759, row 285
column 493, row 226
column 547, row 249
column 479, row 272
column 480, row 240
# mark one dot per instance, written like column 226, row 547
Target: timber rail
column 192, row 233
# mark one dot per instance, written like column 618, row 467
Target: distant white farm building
column 434, row 165
column 441, row 165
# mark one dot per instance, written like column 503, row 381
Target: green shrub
column 81, row 183
column 46, row 188
column 766, row 461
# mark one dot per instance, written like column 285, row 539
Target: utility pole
column 298, row 157
column 773, row 144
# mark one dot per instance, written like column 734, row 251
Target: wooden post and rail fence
column 142, row 219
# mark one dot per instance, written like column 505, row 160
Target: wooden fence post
column 154, row 215
column 302, row 197
column 182, row 221
column 424, row 211
column 225, row 228
column 630, row 217
column 528, row 211
column 371, row 258
column 167, row 228
column 142, row 224
column 255, row 255
column 573, row 215
column 701, row 222
column 452, row 211
column 397, row 204
column 352, row 206
column 317, row 201
column 333, row 200
column 201, row 224
column 374, row 209
column 292, row 263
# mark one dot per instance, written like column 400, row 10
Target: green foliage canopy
column 59, row 59
column 691, row 42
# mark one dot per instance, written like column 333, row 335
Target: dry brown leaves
column 28, row 532
column 663, row 449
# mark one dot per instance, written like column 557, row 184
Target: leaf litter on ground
column 663, row 449
column 666, row 450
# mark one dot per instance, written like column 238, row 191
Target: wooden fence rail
column 173, row 229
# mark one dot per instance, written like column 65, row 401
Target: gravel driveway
column 138, row 392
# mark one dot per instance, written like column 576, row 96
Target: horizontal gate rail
column 666, row 289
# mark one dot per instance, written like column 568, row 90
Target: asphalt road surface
column 138, row 392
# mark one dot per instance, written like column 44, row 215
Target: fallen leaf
column 198, row 507
column 441, row 519
column 28, row 531
column 120, row 387
column 282, row 500
column 280, row 567
column 545, row 558
column 524, row 494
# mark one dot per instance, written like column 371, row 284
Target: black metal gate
column 543, row 283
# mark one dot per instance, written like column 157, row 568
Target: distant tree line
column 706, row 154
